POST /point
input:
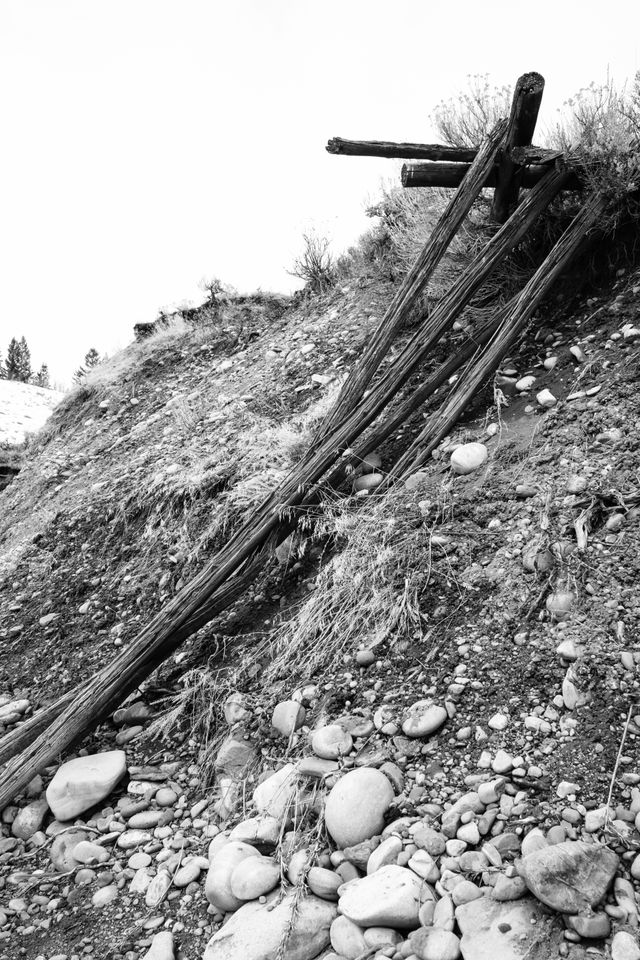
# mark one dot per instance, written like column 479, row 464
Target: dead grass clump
column 367, row 593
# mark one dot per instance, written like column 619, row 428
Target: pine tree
column 41, row 378
column 3, row 369
column 25, row 361
column 12, row 363
column 91, row 359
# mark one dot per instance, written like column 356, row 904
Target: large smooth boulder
column 570, row 877
column 390, row 897
column 256, row 930
column 355, row 808
column 507, row 931
column 81, row 783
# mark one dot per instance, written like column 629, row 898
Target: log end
column 333, row 145
column 404, row 175
column 530, row 83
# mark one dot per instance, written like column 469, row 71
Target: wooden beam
column 522, row 124
column 416, row 280
column 452, row 174
column 400, row 151
column 432, row 151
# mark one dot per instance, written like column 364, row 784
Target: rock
column 624, row 946
column 316, row 767
column 254, row 877
column 188, row 873
column 382, row 937
column 61, row 851
column 347, row 938
column 360, row 853
column 259, row 831
column 217, row 886
column 570, row 877
column 157, row 889
column 546, row 399
column 324, row 883
column 29, row 819
column 161, row 947
column 81, row 783
column 256, row 930
column 508, row 888
column 356, row 805
column 384, row 854
column 288, row 716
column 87, row 853
column 597, row 926
column 236, row 709
column 390, row 897
column 274, row 796
column 368, row 482
column 468, row 457
column 506, row 931
column 331, row 742
column 105, row 895
column 436, row 944
column 423, row 718
column 234, row 757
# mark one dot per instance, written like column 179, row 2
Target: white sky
column 146, row 143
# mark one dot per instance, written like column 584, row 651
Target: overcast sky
column 146, row 143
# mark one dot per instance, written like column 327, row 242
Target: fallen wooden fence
column 242, row 559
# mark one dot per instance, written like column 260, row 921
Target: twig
column 615, row 769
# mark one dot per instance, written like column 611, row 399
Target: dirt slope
column 444, row 592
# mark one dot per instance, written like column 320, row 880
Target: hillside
column 426, row 691
column 24, row 409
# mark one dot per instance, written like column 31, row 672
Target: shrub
column 465, row 119
column 315, row 265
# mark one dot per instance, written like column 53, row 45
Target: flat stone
column 390, row 897
column 423, row 718
column 256, row 930
column 508, row 931
column 570, row 877
column 356, row 805
column 594, row 927
column 84, row 781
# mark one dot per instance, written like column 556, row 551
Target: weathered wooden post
column 522, row 123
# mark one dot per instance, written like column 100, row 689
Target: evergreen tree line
column 17, row 365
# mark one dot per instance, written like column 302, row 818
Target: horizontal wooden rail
column 452, row 174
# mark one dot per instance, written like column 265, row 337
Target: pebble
column 468, row 457
column 105, row 896
column 288, row 716
column 624, row 946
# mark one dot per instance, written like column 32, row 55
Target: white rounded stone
column 356, row 805
column 331, row 742
column 84, row 781
column 423, row 718
column 254, row 877
column 468, row 457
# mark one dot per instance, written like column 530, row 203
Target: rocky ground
column 424, row 737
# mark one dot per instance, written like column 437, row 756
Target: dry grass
column 366, row 594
